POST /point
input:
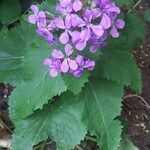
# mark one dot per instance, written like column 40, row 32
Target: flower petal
column 64, row 3
column 50, row 38
column 85, row 34
column 81, row 45
column 72, row 64
column 64, row 66
column 68, row 22
column 106, row 21
column 59, row 23
column 80, row 60
column 57, row 54
column 89, row 64
column 78, row 73
column 53, row 72
column 64, row 37
column 119, row 24
column 34, row 9
column 47, row 62
column 75, row 36
column 98, row 30
column 60, row 9
column 68, row 49
column 114, row 33
column 77, row 5
column 32, row 19
column 88, row 15
column 77, row 21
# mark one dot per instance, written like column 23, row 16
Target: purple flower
column 38, row 17
column 83, row 63
column 44, row 32
column 66, row 12
column 66, row 6
column 67, row 63
column 97, row 42
column 77, row 5
column 54, row 65
column 108, row 9
column 64, row 3
column 88, row 29
column 64, row 37
column 118, row 24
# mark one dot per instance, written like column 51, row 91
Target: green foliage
column 117, row 63
column 9, row 11
column 61, row 122
column 102, row 100
column 134, row 31
column 75, row 84
column 124, row 2
column 13, row 47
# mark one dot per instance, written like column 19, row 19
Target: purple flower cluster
column 84, row 27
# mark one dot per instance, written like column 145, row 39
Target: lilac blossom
column 83, row 63
column 107, row 9
column 87, row 29
column 54, row 66
column 67, row 62
column 64, row 37
column 118, row 24
column 38, row 17
column 97, row 43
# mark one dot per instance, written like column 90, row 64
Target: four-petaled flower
column 83, row 63
column 38, row 17
column 67, row 62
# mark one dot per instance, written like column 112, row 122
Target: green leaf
column 147, row 15
column 102, row 100
column 37, row 90
column 117, row 63
column 126, row 144
column 11, row 56
column 14, row 45
column 124, row 2
column 75, row 84
column 134, row 30
column 60, row 121
column 50, row 6
column 9, row 11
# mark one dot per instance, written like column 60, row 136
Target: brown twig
column 139, row 97
column 6, row 127
column 135, row 5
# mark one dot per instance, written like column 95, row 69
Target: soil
column 135, row 110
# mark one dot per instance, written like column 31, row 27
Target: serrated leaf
column 75, row 84
column 134, row 30
column 50, row 6
column 9, row 11
column 124, row 2
column 117, row 63
column 13, row 46
column 102, row 104
column 61, row 122
column 34, row 93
